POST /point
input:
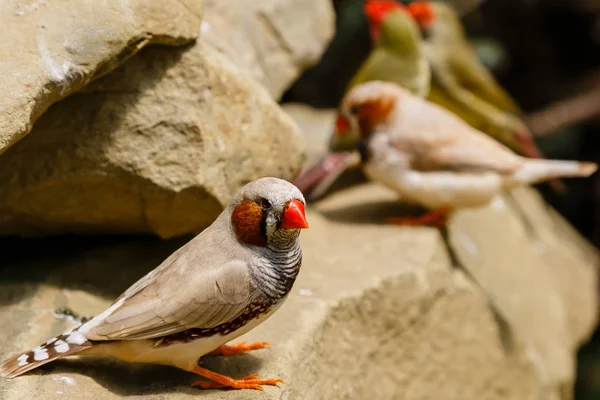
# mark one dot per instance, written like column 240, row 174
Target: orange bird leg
column 438, row 217
column 239, row 348
column 221, row 381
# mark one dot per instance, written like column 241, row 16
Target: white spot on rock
column 204, row 27
column 468, row 244
column 40, row 354
column 76, row 338
column 497, row 203
column 61, row 346
column 65, row 379
column 60, row 73
column 22, row 360
column 305, row 292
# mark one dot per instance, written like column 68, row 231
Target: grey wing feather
column 173, row 302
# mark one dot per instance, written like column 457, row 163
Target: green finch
column 461, row 84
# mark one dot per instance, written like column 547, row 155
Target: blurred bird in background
column 431, row 157
column 461, row 84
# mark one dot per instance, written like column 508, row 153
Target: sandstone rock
column 274, row 40
column 378, row 311
column 164, row 145
column 58, row 46
column 172, row 134
column 317, row 126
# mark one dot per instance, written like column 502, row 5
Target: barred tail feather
column 67, row 344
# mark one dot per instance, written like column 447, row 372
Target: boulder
column 56, row 47
column 378, row 311
column 159, row 146
column 274, row 40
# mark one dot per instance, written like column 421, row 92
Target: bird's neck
column 276, row 270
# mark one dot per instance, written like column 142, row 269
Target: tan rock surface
column 162, row 143
column 377, row 311
column 58, row 46
column 173, row 134
column 274, row 40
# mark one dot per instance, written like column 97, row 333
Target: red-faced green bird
column 398, row 54
column 461, row 84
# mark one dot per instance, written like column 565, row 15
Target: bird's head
column 437, row 19
column 363, row 108
column 423, row 12
column 376, row 12
column 268, row 212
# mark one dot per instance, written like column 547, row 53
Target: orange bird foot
column 219, row 381
column 239, row 348
column 437, row 217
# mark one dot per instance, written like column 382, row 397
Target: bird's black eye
column 354, row 110
column 265, row 204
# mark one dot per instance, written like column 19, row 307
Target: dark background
column 546, row 53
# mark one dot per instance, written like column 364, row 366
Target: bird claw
column 248, row 382
column 240, row 348
column 437, row 217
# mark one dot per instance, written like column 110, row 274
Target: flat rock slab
column 377, row 312
column 56, row 47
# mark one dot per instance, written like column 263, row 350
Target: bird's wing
column 436, row 139
column 473, row 76
column 170, row 300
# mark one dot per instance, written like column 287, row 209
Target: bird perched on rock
column 461, row 84
column 224, row 282
column 430, row 156
column 398, row 56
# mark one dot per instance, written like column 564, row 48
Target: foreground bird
column 430, row 156
column 224, row 282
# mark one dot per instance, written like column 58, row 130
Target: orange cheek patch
column 245, row 219
column 373, row 113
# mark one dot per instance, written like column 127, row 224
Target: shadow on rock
column 104, row 266
column 124, row 379
column 374, row 212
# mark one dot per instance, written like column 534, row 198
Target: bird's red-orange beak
column 294, row 216
column 422, row 12
column 341, row 124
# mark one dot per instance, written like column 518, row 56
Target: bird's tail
column 539, row 170
column 530, row 149
column 67, row 344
